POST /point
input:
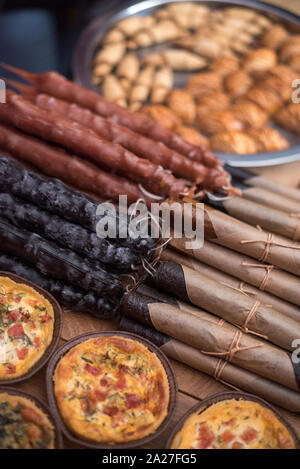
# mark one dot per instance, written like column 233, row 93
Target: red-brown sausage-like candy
column 52, row 127
column 56, row 85
column 56, row 162
column 158, row 153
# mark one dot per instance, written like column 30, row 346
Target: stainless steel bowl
column 95, row 32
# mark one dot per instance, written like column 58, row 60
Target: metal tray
column 94, row 33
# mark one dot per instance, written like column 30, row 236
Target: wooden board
column 193, row 385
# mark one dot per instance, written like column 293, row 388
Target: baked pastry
column 225, row 65
column 213, row 101
column 176, row 59
column 219, row 121
column 259, row 60
column 237, row 83
column 233, row 424
column 284, row 72
column 289, row 117
column 141, row 88
column 211, row 45
column 163, row 115
column 274, row 37
column 111, row 389
column 203, row 83
column 289, row 48
column 26, row 328
column 268, row 139
column 267, row 99
column 249, row 113
column 23, row 424
column 294, row 62
column 162, row 83
column 278, row 86
column 233, row 142
column 188, row 15
column 192, row 136
column 113, row 90
column 128, row 70
column 182, row 104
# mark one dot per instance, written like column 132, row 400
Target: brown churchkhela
column 215, row 338
column 158, row 153
column 56, row 162
column 56, row 85
column 222, row 371
column 26, row 116
column 232, row 305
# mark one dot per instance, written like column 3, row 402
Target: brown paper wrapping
column 227, row 343
column 222, row 371
column 270, row 219
column 279, row 189
column 246, row 239
column 234, row 234
column 278, row 282
column 267, row 299
column 229, row 304
column 271, row 199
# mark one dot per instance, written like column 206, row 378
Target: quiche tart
column 26, row 328
column 111, row 389
column 23, row 425
column 233, row 424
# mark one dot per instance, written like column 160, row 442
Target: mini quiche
column 23, row 425
column 26, row 328
column 233, row 424
column 111, row 389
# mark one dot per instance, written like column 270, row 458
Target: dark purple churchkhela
column 54, row 196
column 61, row 263
column 67, row 295
column 75, row 237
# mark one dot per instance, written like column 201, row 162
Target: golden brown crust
column 259, row 60
column 233, row 142
column 274, row 37
column 250, row 114
column 278, row 86
column 268, row 139
column 202, row 83
column 33, row 427
column 233, row 424
column 289, row 48
column 294, row 62
column 192, row 136
column 225, row 65
column 237, row 83
column 289, row 117
column 267, row 99
column 182, row 104
column 163, row 115
column 284, row 72
column 213, row 101
column 27, row 324
column 219, row 121
column 111, row 389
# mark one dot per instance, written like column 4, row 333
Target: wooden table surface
column 193, row 385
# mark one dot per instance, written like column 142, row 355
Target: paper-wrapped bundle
column 254, row 180
column 263, row 276
column 288, row 309
column 222, row 371
column 216, row 339
column 270, row 219
column 231, row 305
column 268, row 198
column 246, row 239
